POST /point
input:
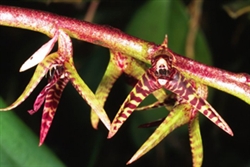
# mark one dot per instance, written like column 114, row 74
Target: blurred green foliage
column 18, row 144
column 236, row 9
column 71, row 137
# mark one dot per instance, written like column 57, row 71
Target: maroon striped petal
column 51, row 102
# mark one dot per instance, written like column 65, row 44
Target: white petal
column 162, row 81
column 40, row 54
column 161, row 63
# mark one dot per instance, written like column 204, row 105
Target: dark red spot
column 211, row 115
column 122, row 115
column 205, row 112
column 194, row 102
column 130, row 105
column 117, row 121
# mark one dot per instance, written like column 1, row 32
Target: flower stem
column 114, row 39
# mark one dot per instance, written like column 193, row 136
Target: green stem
column 114, row 39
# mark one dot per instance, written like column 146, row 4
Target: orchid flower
column 190, row 101
column 118, row 64
column 61, row 70
column 161, row 74
column 180, row 114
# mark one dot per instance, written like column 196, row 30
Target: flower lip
column 161, row 70
column 55, row 70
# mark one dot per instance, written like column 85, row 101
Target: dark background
column 71, row 136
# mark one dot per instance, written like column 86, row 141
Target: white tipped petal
column 39, row 55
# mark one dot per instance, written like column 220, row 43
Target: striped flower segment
column 85, row 92
column 195, row 140
column 167, row 102
column 50, row 95
column 182, row 88
column 193, row 124
column 145, row 86
column 41, row 70
column 194, row 134
column 112, row 73
column 60, row 68
column 161, row 75
column 50, row 106
column 188, row 99
column 173, row 81
column 119, row 64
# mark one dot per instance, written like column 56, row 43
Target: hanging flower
column 119, row 64
column 190, row 100
column 61, row 70
column 161, row 74
column 180, row 114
